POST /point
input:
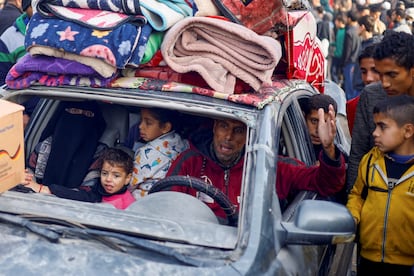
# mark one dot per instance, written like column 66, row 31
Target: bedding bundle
column 93, row 43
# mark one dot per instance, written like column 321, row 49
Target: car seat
column 117, row 124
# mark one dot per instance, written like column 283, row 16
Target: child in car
column 310, row 107
column 157, row 129
column 382, row 198
column 115, row 175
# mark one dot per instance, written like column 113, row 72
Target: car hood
column 26, row 254
column 188, row 222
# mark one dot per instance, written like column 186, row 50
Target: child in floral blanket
column 163, row 144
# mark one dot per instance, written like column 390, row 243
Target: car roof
column 203, row 101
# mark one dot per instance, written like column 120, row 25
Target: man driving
column 217, row 157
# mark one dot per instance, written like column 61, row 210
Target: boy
column 394, row 62
column 368, row 75
column 310, row 111
column 115, row 174
column 382, row 198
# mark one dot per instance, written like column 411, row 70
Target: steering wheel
column 201, row 186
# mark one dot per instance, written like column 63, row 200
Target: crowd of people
column 370, row 53
column 373, row 61
column 350, row 27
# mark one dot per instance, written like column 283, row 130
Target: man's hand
column 327, row 131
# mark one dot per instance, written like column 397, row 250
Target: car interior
column 121, row 120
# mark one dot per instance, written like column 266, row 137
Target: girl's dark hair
column 166, row 116
column 117, row 157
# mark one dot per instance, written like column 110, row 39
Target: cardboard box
column 11, row 145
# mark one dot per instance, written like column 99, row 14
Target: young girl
column 115, row 175
column 163, row 144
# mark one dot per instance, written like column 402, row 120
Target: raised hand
column 327, row 130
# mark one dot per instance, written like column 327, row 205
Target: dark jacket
column 292, row 174
column 352, row 45
column 8, row 15
column 96, row 193
column 12, row 45
column 362, row 140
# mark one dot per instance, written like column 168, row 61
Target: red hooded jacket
column 292, row 174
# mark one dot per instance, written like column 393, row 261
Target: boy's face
column 388, row 136
column 395, row 79
column 113, row 178
column 312, row 120
column 339, row 24
column 368, row 72
column 375, row 14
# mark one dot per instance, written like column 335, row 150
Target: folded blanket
column 165, row 73
column 153, row 46
column 162, row 14
column 96, row 19
column 101, row 67
column 119, row 47
column 220, row 52
column 51, row 71
column 127, row 7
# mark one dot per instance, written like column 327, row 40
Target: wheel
column 201, row 186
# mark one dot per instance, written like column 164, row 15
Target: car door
column 295, row 142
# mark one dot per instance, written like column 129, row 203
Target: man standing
column 368, row 75
column 400, row 24
column 394, row 61
column 9, row 13
column 352, row 46
column 379, row 26
column 12, row 41
column 336, row 67
column 366, row 27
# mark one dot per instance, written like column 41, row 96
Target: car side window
column 295, row 136
column 295, row 143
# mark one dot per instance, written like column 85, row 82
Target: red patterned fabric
column 257, row 15
column 258, row 99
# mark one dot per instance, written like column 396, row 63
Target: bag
column 257, row 15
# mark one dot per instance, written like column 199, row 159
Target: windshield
column 163, row 216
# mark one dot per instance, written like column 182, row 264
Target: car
column 167, row 232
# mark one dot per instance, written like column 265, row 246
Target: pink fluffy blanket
column 221, row 51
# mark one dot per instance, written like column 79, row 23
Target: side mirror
column 319, row 222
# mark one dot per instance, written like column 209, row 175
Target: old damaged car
column 174, row 233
